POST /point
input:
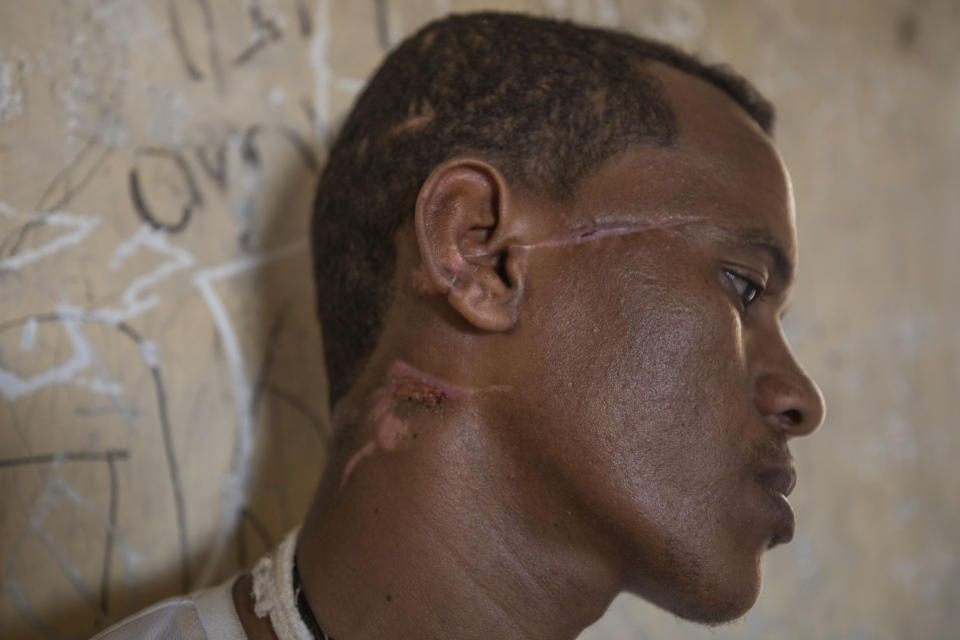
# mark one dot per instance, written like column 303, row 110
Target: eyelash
column 749, row 293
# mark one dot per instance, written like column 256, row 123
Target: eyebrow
column 754, row 238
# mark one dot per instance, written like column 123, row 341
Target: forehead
column 722, row 173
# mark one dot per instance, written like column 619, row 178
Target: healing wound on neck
column 406, row 392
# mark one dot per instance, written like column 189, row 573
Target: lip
column 781, row 479
column 778, row 482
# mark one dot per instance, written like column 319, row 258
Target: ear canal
column 485, row 299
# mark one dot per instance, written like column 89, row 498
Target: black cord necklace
column 303, row 607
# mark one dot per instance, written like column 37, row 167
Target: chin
column 708, row 598
column 714, row 612
column 725, row 600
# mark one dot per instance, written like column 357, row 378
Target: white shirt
column 202, row 615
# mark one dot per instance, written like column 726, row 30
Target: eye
column 747, row 289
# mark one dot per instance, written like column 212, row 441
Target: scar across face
column 590, row 233
column 600, row 231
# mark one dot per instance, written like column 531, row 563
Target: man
column 550, row 263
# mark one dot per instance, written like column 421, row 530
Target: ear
column 463, row 219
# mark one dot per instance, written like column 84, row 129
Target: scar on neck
column 406, row 391
column 420, row 390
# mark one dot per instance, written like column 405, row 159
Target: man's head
column 546, row 101
column 587, row 241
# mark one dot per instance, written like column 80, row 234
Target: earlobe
column 463, row 218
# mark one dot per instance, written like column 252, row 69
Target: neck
column 435, row 532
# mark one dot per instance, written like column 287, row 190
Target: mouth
column 778, row 482
column 780, row 479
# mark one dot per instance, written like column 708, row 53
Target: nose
column 784, row 394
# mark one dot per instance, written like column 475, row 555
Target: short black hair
column 545, row 101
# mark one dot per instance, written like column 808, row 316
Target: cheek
column 639, row 335
column 640, row 374
column 646, row 367
column 677, row 415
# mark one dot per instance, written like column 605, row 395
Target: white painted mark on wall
column 684, row 21
column 134, row 304
column 72, row 318
column 55, row 490
column 608, row 13
column 11, row 91
column 149, row 353
column 99, row 386
column 321, row 72
column 233, row 486
column 13, row 386
column 276, row 96
column 81, row 227
column 28, row 337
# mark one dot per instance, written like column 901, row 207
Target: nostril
column 793, row 417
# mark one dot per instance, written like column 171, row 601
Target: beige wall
column 161, row 420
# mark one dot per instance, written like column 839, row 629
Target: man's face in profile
column 580, row 385
column 656, row 355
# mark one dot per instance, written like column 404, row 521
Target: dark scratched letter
column 163, row 190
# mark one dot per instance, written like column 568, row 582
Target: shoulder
column 202, row 615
